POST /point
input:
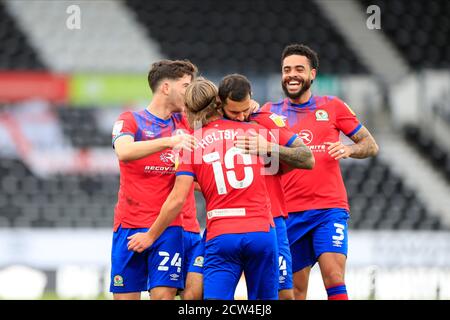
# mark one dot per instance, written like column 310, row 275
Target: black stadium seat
column 229, row 36
column 383, row 202
column 419, row 30
column 15, row 52
column 435, row 153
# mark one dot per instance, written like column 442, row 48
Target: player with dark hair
column 240, row 230
column 235, row 94
column 316, row 199
column 146, row 143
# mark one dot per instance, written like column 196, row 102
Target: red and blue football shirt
column 145, row 183
column 275, row 123
column 232, row 183
column 317, row 121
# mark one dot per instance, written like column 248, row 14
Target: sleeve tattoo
column 298, row 155
column 365, row 145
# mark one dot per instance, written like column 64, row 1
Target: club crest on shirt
column 321, row 115
column 278, row 120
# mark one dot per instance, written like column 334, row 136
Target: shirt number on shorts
column 219, row 177
column 282, row 265
column 340, row 231
column 176, row 261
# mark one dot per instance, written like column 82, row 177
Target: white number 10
column 214, row 159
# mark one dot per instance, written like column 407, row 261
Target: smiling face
column 297, row 76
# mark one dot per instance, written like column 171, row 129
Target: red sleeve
column 124, row 125
column 266, row 107
column 185, row 123
column 346, row 120
column 277, row 126
column 184, row 166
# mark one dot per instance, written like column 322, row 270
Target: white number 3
column 340, row 231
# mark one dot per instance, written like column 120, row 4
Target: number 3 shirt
column 318, row 121
column 233, row 183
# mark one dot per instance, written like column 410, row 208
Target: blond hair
column 202, row 103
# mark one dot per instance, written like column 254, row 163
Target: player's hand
column 337, row 150
column 182, row 141
column 139, row 242
column 254, row 106
column 253, row 144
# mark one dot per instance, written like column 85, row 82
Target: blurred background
column 69, row 68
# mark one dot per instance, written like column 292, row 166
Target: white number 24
column 176, row 260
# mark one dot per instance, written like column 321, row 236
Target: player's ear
column 313, row 74
column 165, row 87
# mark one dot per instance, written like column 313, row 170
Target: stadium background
column 69, row 68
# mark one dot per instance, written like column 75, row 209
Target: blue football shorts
column 228, row 255
column 158, row 266
column 198, row 256
column 192, row 242
column 313, row 232
column 285, row 258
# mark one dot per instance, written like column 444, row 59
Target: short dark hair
column 170, row 69
column 301, row 50
column 234, row 86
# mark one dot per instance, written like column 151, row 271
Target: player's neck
column 303, row 98
column 158, row 108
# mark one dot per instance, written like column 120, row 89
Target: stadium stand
column 57, row 201
column 16, row 53
column 101, row 49
column 380, row 200
column 419, row 29
column 437, row 155
column 81, row 128
column 252, row 34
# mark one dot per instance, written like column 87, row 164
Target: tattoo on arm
column 298, row 155
column 365, row 145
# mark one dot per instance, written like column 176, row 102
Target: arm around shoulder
column 127, row 149
column 297, row 155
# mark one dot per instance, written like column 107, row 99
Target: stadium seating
column 16, row 53
column 437, row 156
column 419, row 29
column 380, row 200
column 81, row 128
column 57, row 201
column 228, row 36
